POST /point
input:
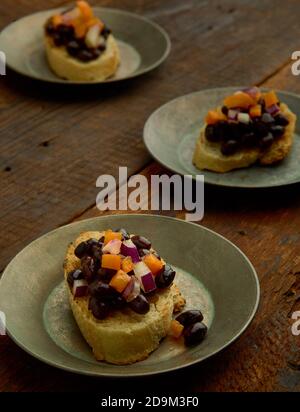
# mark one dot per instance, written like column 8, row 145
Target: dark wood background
column 56, row 141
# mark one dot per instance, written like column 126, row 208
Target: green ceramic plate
column 171, row 133
column 143, row 45
column 212, row 273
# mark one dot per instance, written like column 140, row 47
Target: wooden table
column 56, row 141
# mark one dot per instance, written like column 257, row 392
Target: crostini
column 122, row 294
column 250, row 127
column 79, row 47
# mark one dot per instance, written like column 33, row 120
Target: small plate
column 212, row 273
column 171, row 132
column 143, row 45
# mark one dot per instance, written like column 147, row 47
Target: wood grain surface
column 56, row 141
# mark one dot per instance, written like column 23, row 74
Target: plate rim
column 102, row 374
column 135, row 74
column 208, row 182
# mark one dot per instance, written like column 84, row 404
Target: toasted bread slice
column 68, row 67
column 124, row 337
column 208, row 155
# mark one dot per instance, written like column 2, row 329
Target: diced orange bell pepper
column 255, row 111
column 214, row 116
column 153, row 263
column 110, row 235
column 127, row 264
column 176, row 329
column 271, row 98
column 239, row 99
column 111, row 262
column 119, row 281
column 80, row 29
column 86, row 10
column 57, row 20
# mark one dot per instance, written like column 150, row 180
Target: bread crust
column 124, row 337
column 208, row 156
column 67, row 67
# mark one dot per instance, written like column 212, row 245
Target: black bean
column 96, row 53
column 96, row 252
column 222, row 130
column 165, row 278
column 66, row 32
column 88, row 267
column 73, row 48
column 50, row 28
column 190, row 317
column 140, row 305
column 281, row 120
column 194, row 334
column 143, row 252
column 225, row 110
column 106, row 274
column 260, row 128
column 102, row 290
column 99, row 309
column 141, row 242
column 81, row 250
column 266, row 141
column 277, row 130
column 118, row 302
column 234, row 132
column 249, row 139
column 58, row 40
column 106, row 32
column 92, row 241
column 85, row 55
column 101, row 48
column 211, row 133
column 230, row 147
column 74, row 275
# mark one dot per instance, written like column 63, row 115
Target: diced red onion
column 113, row 247
column 145, row 277
column 132, row 290
column 274, row 109
column 80, row 288
column 252, row 91
column 232, row 114
column 243, row 118
column 128, row 248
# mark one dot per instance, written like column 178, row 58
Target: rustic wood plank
column 44, row 168
column 285, row 80
column 265, row 357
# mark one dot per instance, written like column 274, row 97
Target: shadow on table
column 263, row 200
column 41, row 90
